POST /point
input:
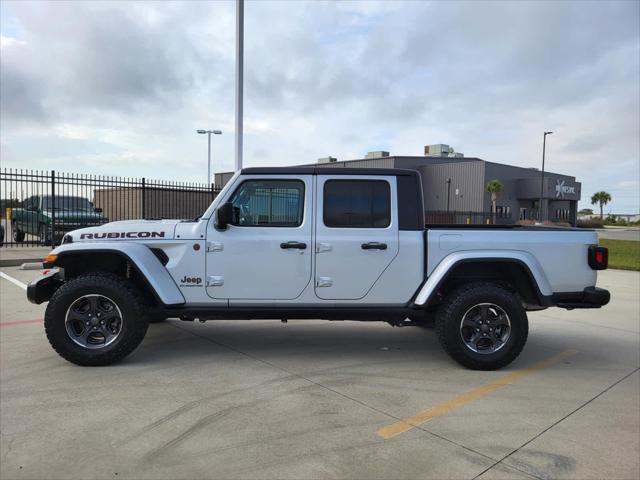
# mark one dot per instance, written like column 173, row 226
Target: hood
column 77, row 216
column 127, row 230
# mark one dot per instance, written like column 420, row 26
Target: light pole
column 209, row 132
column 239, row 80
column 544, row 146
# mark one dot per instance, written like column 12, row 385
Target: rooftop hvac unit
column 377, row 154
column 327, row 160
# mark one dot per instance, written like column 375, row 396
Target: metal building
column 454, row 183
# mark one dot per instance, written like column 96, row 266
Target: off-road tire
column 127, row 298
column 18, row 235
column 452, row 311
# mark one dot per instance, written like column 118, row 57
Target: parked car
column 310, row 242
column 37, row 214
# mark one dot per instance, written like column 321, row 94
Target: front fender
column 449, row 262
column 140, row 257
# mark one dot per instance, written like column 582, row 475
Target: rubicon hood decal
column 101, row 235
column 128, row 230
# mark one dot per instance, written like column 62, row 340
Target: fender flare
column 448, row 263
column 140, row 257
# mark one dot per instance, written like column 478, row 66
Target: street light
column 544, row 146
column 239, row 81
column 209, row 132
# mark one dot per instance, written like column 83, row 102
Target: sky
column 120, row 88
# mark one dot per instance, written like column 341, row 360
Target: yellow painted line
column 402, row 426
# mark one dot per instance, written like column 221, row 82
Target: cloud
column 121, row 87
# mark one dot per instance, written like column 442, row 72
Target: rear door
column 266, row 252
column 356, row 233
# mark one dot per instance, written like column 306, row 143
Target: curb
column 31, row 266
column 15, row 262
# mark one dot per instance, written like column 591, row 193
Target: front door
column 356, row 233
column 266, row 252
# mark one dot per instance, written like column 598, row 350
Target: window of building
column 503, row 210
column 268, row 203
column 562, row 214
column 357, row 204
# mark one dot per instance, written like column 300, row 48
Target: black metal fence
column 437, row 217
column 39, row 207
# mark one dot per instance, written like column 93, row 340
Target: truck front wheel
column 482, row 326
column 96, row 319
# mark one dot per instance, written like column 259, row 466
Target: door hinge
column 324, row 282
column 215, row 247
column 323, row 247
column 215, row 281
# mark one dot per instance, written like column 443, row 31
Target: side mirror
column 97, row 210
column 224, row 215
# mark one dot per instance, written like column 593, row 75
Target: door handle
column 289, row 245
column 374, row 246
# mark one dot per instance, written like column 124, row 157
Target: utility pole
column 239, row 80
column 544, row 145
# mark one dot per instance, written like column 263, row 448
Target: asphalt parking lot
column 317, row 399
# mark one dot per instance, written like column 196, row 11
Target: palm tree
column 494, row 187
column 601, row 198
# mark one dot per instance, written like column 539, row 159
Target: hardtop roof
column 313, row 170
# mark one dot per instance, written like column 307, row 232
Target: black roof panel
column 327, row 171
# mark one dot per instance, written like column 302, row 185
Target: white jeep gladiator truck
column 307, row 243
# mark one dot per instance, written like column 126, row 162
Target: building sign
column 562, row 189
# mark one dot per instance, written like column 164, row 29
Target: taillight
column 598, row 257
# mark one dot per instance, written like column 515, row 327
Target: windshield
column 67, row 203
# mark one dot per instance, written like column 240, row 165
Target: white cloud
column 9, row 41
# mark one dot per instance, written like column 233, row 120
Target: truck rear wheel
column 482, row 326
column 96, row 319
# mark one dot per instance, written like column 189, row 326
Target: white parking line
column 13, row 280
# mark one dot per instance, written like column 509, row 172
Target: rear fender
column 440, row 273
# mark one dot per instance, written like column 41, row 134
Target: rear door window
column 357, row 204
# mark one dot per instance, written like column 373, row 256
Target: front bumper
column 590, row 297
column 41, row 289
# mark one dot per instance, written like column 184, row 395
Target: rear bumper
column 590, row 297
column 41, row 289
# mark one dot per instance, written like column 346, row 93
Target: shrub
column 590, row 223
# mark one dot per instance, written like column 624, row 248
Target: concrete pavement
column 260, row 399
